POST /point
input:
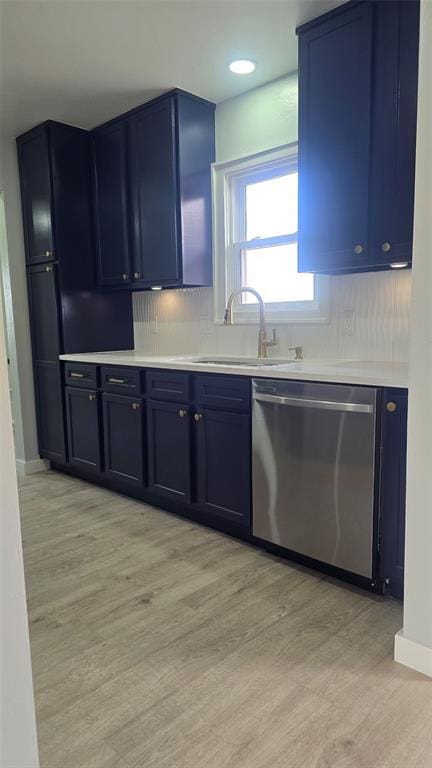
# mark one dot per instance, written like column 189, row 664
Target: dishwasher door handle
column 303, row 402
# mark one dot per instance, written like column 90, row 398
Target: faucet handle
column 298, row 352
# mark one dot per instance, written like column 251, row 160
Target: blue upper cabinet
column 156, row 223
column 152, row 172
column 111, row 204
column 357, row 123
column 36, row 192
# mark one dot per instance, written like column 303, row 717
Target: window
column 255, row 221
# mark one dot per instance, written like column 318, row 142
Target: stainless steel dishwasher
column 313, row 470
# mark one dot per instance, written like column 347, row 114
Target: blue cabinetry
column 124, row 438
column 182, row 441
column 153, row 194
column 68, row 313
column 83, row 426
column 169, row 450
column 223, row 462
column 110, row 170
column 392, row 485
column 357, row 132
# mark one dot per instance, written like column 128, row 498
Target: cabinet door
column 33, row 155
column 123, row 421
column 394, row 130
column 83, row 425
column 154, row 194
column 44, row 309
column 169, row 452
column 393, row 490
column 49, row 411
column 44, row 305
column 223, row 464
column 335, row 61
column 111, row 204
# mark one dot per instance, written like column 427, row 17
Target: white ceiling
column 84, row 61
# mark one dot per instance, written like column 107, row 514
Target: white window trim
column 317, row 311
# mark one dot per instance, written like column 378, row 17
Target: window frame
column 226, row 181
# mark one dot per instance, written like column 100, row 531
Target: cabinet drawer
column 81, row 375
column 168, row 385
column 122, row 381
column 223, row 392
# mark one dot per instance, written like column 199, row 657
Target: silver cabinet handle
column 75, row 375
column 325, row 405
column 113, row 380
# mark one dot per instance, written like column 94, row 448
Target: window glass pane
column 273, row 273
column 271, row 207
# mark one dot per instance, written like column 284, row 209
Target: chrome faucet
column 263, row 341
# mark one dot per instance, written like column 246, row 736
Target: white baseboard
column 412, row 654
column 25, row 468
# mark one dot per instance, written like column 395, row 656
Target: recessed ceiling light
column 242, row 66
column 399, row 264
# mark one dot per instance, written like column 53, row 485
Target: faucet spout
column 263, row 341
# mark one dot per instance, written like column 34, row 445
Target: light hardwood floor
column 157, row 643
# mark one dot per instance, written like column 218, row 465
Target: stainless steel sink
column 253, row 362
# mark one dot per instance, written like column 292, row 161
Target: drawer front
column 81, row 375
column 170, row 386
column 122, row 381
column 223, row 392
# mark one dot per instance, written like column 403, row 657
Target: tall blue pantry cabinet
column 68, row 312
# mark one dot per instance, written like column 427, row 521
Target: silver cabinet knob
column 135, row 406
column 182, row 413
column 391, row 406
column 386, row 247
column 198, row 416
column 137, row 275
column 125, row 276
column 358, row 249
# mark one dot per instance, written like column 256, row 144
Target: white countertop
column 380, row 374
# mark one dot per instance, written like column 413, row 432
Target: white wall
column 182, row 321
column 414, row 644
column 16, row 307
column 258, row 120
column 18, row 744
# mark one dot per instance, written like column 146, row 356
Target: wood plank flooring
column 157, row 643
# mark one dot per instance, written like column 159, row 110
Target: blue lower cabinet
column 83, row 428
column 223, row 442
column 393, row 489
column 49, row 411
column 169, row 449
column 124, row 443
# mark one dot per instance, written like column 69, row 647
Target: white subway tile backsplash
column 181, row 322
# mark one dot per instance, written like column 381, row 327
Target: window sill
column 279, row 318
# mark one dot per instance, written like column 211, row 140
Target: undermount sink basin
column 253, row 362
